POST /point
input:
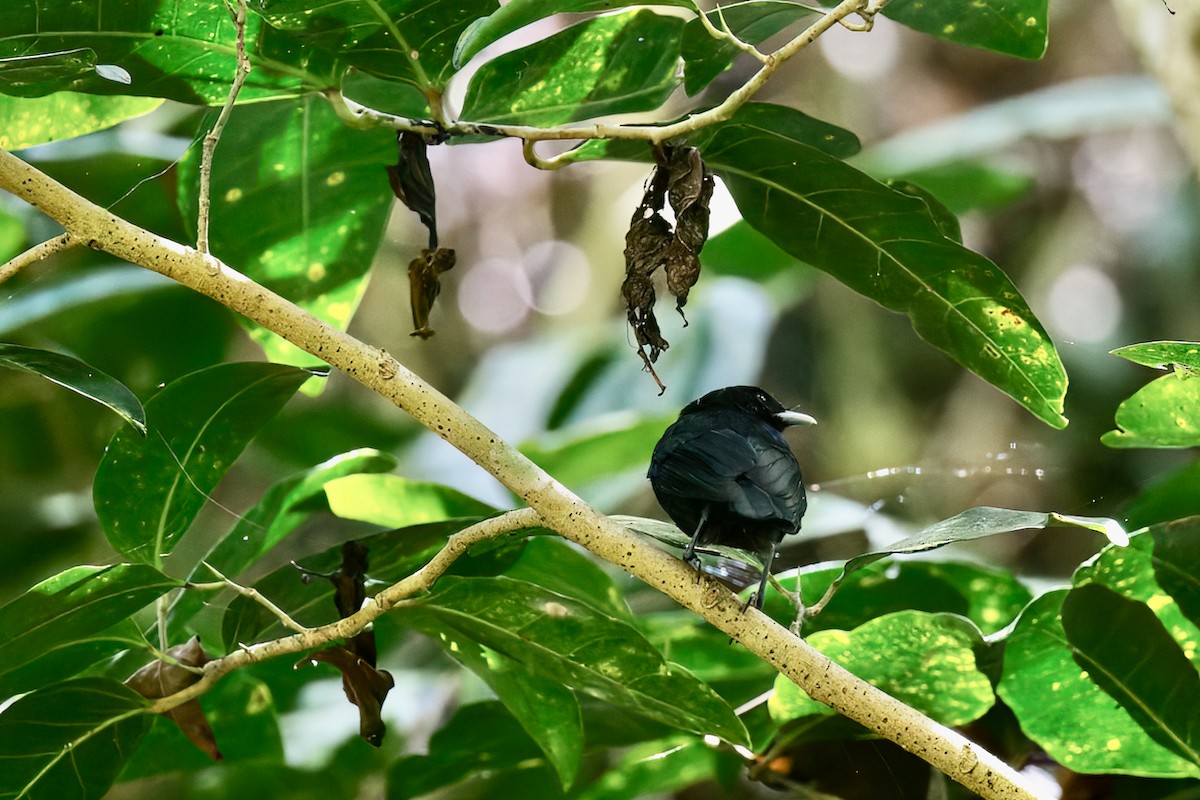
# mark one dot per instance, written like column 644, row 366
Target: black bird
column 725, row 475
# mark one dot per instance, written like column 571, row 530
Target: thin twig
column 724, row 33
column 64, row 241
column 238, row 14
column 258, row 597
column 348, row 627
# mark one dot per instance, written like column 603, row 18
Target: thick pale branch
column 558, row 508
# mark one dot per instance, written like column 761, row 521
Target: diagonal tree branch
column 558, row 508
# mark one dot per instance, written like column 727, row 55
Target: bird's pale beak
column 795, row 418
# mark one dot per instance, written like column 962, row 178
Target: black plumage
column 725, row 475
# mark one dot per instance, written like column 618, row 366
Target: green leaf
column 244, row 722
column 299, row 204
column 64, row 115
column 12, row 238
column 480, row 737
column 889, row 247
column 394, row 39
column 924, row 660
column 68, row 658
column 1183, row 356
column 787, row 124
column 753, row 22
column 570, row 642
column 547, row 711
column 69, row 740
column 147, row 490
column 1176, row 554
column 176, row 49
column 741, row 251
column 1065, row 712
column 977, row 523
column 609, row 65
column 1013, row 27
column 283, row 508
column 519, row 13
column 396, row 502
column 79, row 377
column 553, row 564
column 1163, row 413
column 73, row 605
column 1124, row 648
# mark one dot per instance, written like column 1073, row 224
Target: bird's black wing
column 747, row 466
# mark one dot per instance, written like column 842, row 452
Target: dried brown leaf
column 425, row 285
column 165, row 677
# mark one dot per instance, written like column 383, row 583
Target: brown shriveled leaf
column 163, row 678
column 425, row 285
column 412, row 181
column 680, row 176
column 364, row 685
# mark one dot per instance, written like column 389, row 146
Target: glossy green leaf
column 69, row 740
column 1065, row 712
column 889, row 247
column 519, row 13
column 1176, row 556
column 1163, row 413
column 547, row 711
column 609, row 65
column 1126, row 650
column 79, row 377
column 1183, row 356
column 299, row 204
column 480, row 737
column 792, row 127
column 1013, row 27
column 282, row 509
column 396, row 502
column 570, row 642
column 392, row 555
column 394, row 39
column 12, row 238
column 148, row 489
column 555, row 564
column 68, row 658
column 50, row 298
column 744, row 252
column 244, row 722
column 924, row 660
column 977, row 523
column 753, row 22
column 175, row 49
column 73, row 605
column 1153, row 570
column 943, row 217
column 28, row 121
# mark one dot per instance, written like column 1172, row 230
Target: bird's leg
column 762, row 584
column 689, row 552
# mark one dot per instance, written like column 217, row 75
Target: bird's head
column 750, row 400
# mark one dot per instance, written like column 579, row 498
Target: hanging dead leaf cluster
column 412, row 182
column 165, row 677
column 365, row 686
column 680, row 177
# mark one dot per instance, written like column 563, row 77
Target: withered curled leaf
column 425, row 285
column 412, row 181
column 364, row 685
column 681, row 177
column 165, row 677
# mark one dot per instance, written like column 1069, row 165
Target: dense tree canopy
column 238, row 570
